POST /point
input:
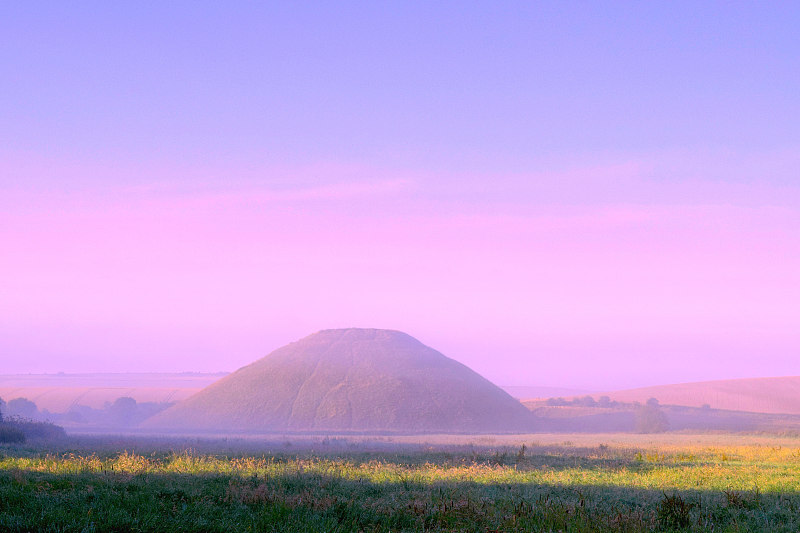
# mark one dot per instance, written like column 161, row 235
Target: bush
column 674, row 512
column 9, row 433
column 31, row 429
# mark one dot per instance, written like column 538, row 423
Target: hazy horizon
column 591, row 196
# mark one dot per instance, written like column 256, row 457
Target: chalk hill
column 759, row 395
column 350, row 380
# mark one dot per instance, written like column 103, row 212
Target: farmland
column 394, row 483
column 57, row 393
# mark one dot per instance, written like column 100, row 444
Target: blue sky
column 500, row 87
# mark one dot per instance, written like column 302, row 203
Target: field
column 779, row 395
column 435, row 483
column 59, row 392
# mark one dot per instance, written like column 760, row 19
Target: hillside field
column 58, row 393
column 757, row 395
column 630, row 483
column 625, row 418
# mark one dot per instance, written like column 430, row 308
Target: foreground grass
column 607, row 487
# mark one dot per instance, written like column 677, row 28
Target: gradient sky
column 574, row 194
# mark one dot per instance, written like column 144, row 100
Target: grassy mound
column 351, row 380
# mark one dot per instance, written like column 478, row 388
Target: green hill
column 350, row 380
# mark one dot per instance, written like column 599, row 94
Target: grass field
column 439, row 483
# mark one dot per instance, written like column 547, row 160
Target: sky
column 593, row 195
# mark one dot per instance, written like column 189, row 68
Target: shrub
column 650, row 418
column 31, row 429
column 9, row 433
column 521, row 454
column 741, row 500
column 674, row 511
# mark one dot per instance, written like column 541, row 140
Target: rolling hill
column 58, row 393
column 758, row 395
column 350, row 380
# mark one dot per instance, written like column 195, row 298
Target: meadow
column 484, row 484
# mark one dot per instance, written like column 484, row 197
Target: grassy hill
column 350, row 380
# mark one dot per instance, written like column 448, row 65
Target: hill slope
column 760, row 395
column 350, row 380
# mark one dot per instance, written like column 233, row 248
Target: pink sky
column 590, row 195
column 561, row 291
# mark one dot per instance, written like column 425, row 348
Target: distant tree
column 74, row 415
column 604, row 401
column 22, row 407
column 585, row 401
column 2, row 408
column 123, row 410
column 650, row 418
column 556, row 401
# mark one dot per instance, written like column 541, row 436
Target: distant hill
column 759, row 395
column 57, row 393
column 350, row 380
column 623, row 418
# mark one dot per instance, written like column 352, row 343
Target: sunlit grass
column 744, row 467
column 603, row 487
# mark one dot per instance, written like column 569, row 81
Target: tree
column 22, row 407
column 2, row 406
column 123, row 410
column 650, row 418
column 585, row 401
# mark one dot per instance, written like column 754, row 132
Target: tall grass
column 535, row 488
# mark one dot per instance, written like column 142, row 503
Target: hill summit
column 350, row 380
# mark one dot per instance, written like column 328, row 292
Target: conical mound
column 350, row 380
